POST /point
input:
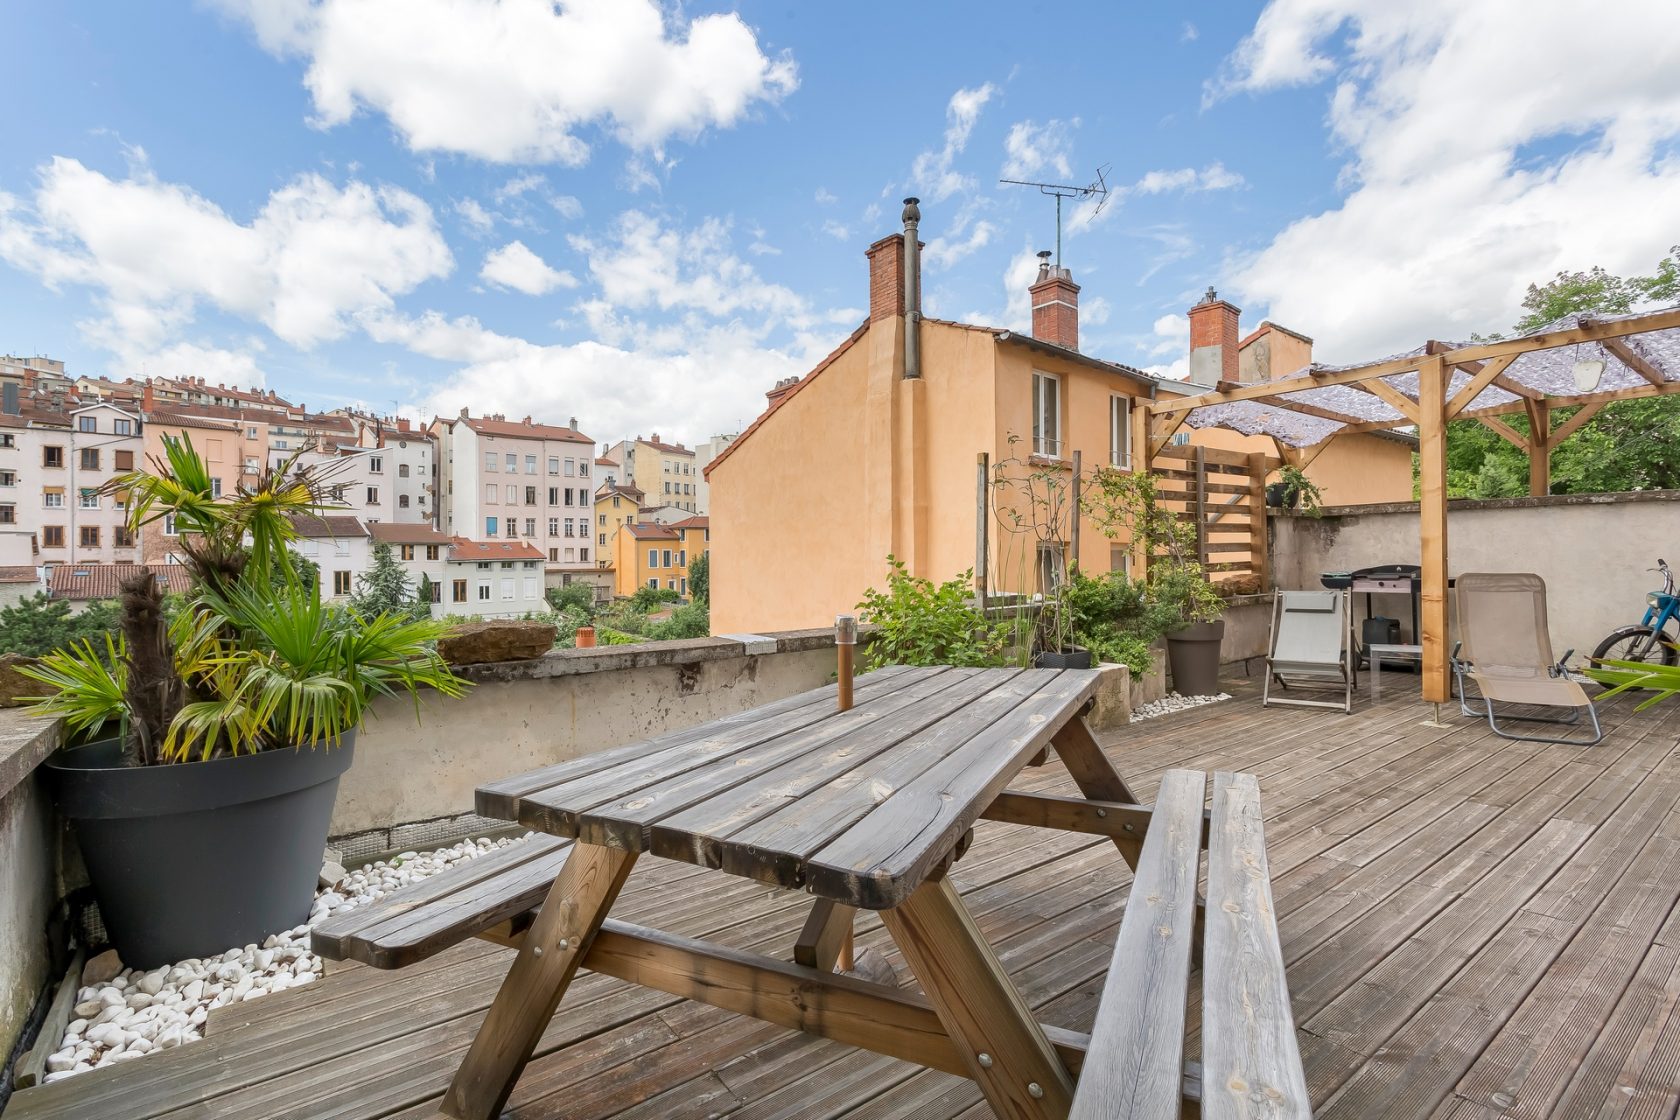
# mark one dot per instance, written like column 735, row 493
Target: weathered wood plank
column 1251, row 1064
column 1135, row 1066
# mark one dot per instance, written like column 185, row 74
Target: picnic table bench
column 868, row 808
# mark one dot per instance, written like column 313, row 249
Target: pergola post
column 1143, row 459
column 1539, row 448
column 1433, row 382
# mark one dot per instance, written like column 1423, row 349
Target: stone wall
column 1592, row 550
column 28, row 872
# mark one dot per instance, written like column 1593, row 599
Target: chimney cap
column 1212, row 296
column 912, row 211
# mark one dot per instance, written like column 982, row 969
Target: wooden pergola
column 1534, row 376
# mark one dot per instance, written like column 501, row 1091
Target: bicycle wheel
column 1638, row 643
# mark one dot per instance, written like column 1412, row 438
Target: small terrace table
column 864, row 808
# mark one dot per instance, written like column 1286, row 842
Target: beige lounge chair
column 1505, row 649
column 1312, row 645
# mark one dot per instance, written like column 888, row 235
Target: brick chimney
column 886, row 277
column 1213, row 340
column 147, row 401
column 1055, row 305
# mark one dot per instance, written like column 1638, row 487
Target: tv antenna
column 1059, row 191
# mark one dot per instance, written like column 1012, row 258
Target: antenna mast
column 1059, row 191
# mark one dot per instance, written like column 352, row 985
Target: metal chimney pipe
column 912, row 290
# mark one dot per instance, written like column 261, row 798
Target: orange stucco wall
column 1354, row 470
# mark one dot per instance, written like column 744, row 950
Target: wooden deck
column 1472, row 928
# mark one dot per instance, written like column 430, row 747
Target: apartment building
column 665, row 472
column 423, row 553
column 233, row 452
column 493, row 579
column 617, row 504
column 704, row 453
column 52, row 465
column 408, row 461
column 657, row 555
column 519, row 480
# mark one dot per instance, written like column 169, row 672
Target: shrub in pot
column 919, row 623
column 203, row 819
column 1032, row 502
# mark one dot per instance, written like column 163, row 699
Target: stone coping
column 649, row 655
column 25, row 740
column 1550, row 501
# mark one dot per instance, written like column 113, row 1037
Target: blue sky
column 643, row 216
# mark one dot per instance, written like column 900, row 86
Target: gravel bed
column 138, row 1013
column 1173, row 702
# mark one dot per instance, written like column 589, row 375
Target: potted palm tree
column 203, row 817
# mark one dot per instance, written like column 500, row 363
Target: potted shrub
column 203, row 818
column 1032, row 504
column 918, row 623
column 1294, row 490
column 1182, row 603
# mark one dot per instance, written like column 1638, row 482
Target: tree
column 700, row 578
column 38, row 625
column 573, row 598
column 385, row 588
column 1629, row 445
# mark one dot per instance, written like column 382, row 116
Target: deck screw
column 1034, row 1091
column 564, row 945
column 536, row 950
column 985, row 1060
column 1127, row 827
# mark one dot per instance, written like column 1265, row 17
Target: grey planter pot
column 197, row 858
column 1074, row 658
column 1193, row 657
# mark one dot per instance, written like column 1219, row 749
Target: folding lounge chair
column 1312, row 645
column 1505, row 649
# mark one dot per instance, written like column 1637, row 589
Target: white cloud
column 520, row 185
column 567, row 206
column 825, row 197
column 1172, row 335
column 760, row 245
column 479, row 220
column 515, row 266
column 1176, row 370
column 837, row 230
column 1214, row 177
column 1188, row 33
column 1017, row 278
column 932, row 173
column 153, row 252
column 965, row 237
column 517, row 80
column 1462, row 192
column 1032, row 149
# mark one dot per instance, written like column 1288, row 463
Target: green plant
column 36, row 624
column 1628, row 676
column 1111, row 618
column 1178, row 592
column 1031, row 502
column 691, row 620
column 387, row 588
column 253, row 660
column 919, row 623
column 649, row 598
column 700, row 578
column 1299, row 490
column 577, row 597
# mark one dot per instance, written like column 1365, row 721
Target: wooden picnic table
column 868, row 808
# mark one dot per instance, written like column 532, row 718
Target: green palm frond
column 87, row 684
column 1627, row 676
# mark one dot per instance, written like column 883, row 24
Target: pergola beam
column 1632, row 393
column 1485, row 376
column 1505, row 432
column 1390, row 396
column 1634, row 360
column 1572, row 425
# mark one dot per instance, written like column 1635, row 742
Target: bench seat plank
column 441, row 910
column 1135, row 1064
column 1251, row 1063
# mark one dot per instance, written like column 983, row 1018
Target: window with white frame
column 490, row 461
column 492, row 493
column 1047, row 415
column 554, row 464
column 1120, row 432
column 512, row 463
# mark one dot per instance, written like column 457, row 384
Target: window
column 89, row 536
column 554, row 495
column 671, row 584
column 484, row 591
column 341, row 582
column 492, row 493
column 569, row 496
column 376, row 464
column 569, row 524
column 512, row 527
column 458, row 591
column 489, row 526
column 530, row 526
column 1050, row 566
column 554, row 526
column 553, row 464
column 1120, row 432
column 530, row 464
column 615, row 501
column 666, row 558
column 603, row 539
column 490, row 461
column 583, row 469
column 169, row 525
column 1047, row 415
column 52, row 456
column 583, row 554
column 87, row 423
column 250, row 431
column 601, row 519
column 121, row 537
column 90, row 458
column 653, row 558
column 52, row 536
column 437, row 592
column 530, row 495
column 512, row 463
column 87, row 498
column 431, row 552
column 406, row 551
column 126, row 427
column 7, row 440
column 513, row 495
column 402, row 470
column 667, row 487
column 373, row 495
column 554, row 556
column 530, row 586
column 215, row 487
column 125, row 460
column 654, row 583
column 682, row 558
column 8, row 478
column 402, row 501
column 510, row 589
column 8, row 514
column 52, row 497
column 682, row 586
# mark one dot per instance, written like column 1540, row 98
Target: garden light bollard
column 585, row 638
column 845, row 642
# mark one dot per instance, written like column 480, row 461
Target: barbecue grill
column 1380, row 579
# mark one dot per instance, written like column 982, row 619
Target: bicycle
column 1651, row 640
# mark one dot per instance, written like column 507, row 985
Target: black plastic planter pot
column 199, row 857
column 1193, row 656
column 1074, row 658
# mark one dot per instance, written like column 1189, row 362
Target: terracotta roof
column 328, row 525
column 524, row 429
column 851, row 340
column 396, row 532
column 668, row 448
column 648, row 531
column 17, row 573
column 104, row 581
column 700, row 522
column 462, row 550
column 623, row 489
column 603, row 461
column 185, row 420
column 1268, row 325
